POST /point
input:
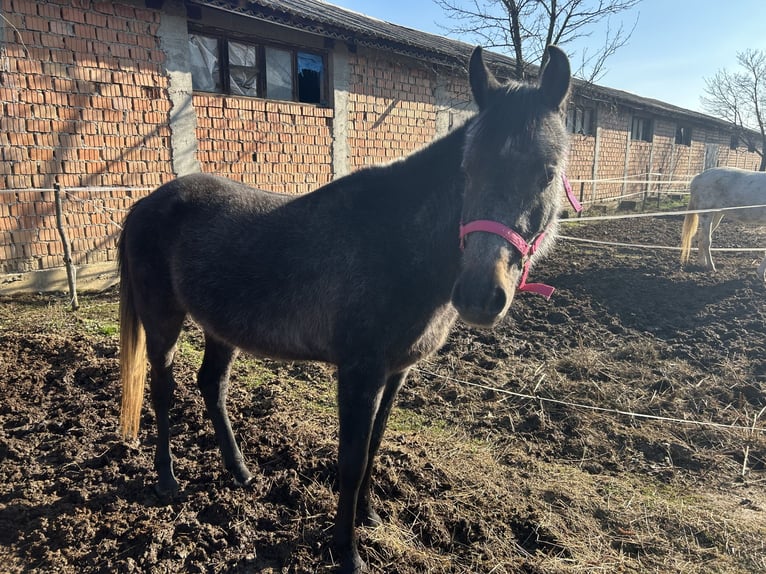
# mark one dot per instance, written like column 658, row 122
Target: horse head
column 514, row 156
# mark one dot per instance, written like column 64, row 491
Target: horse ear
column 481, row 78
column 555, row 77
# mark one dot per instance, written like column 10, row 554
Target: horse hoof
column 166, row 491
column 242, row 476
column 353, row 565
column 371, row 519
column 243, row 483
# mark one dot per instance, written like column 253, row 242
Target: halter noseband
column 521, row 245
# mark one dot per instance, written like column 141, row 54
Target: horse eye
column 546, row 179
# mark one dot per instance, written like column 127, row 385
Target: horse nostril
column 499, row 299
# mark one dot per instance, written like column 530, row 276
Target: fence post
column 71, row 271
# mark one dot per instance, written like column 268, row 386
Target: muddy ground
column 512, row 450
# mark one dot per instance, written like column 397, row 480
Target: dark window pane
column 587, row 122
column 310, row 78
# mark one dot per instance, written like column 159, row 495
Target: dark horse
column 368, row 272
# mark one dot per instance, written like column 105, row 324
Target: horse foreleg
column 762, row 270
column 365, row 515
column 213, row 382
column 360, row 389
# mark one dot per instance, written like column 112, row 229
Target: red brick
column 72, row 14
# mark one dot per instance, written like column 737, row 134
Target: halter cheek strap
column 526, row 249
column 576, row 205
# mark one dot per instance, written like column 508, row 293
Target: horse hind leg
column 161, row 338
column 213, row 381
column 705, row 237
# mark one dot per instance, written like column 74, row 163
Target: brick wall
column 83, row 104
column 29, row 238
column 392, row 109
column 612, row 146
column 83, row 100
column 623, row 161
column 278, row 146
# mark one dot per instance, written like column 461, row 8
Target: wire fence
column 91, row 217
column 107, row 206
column 582, row 406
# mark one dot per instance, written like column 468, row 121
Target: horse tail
column 132, row 351
column 689, row 229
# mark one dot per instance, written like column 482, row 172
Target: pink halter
column 526, row 249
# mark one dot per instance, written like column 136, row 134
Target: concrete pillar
column 174, row 42
column 341, row 152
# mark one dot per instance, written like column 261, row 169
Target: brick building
column 110, row 99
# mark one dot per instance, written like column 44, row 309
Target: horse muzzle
column 483, row 299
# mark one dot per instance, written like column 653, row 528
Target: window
column 683, row 135
column 237, row 67
column 205, row 54
column 734, row 141
column 641, row 129
column 580, row 120
column 243, row 69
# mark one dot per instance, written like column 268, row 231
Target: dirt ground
column 530, row 448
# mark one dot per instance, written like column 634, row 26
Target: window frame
column 684, row 135
column 584, row 116
column 224, row 75
column 646, row 131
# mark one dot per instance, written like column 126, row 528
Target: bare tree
column 740, row 98
column 524, row 28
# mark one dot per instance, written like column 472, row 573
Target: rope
column 635, row 194
column 91, row 188
column 614, row 180
column 99, row 207
column 659, row 213
column 712, row 424
column 643, row 246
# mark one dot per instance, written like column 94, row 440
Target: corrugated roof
column 353, row 28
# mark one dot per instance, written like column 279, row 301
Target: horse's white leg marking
column 715, row 222
column 705, row 238
column 762, row 270
column 717, row 217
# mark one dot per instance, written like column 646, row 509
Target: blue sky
column 676, row 43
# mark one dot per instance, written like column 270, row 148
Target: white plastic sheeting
column 279, row 74
column 204, row 56
column 243, row 69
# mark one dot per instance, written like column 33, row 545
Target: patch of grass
column 108, row 329
column 189, row 351
column 253, row 372
column 408, row 421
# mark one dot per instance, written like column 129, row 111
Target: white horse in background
column 722, row 188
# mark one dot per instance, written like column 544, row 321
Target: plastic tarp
column 279, row 74
column 243, row 69
column 204, row 63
